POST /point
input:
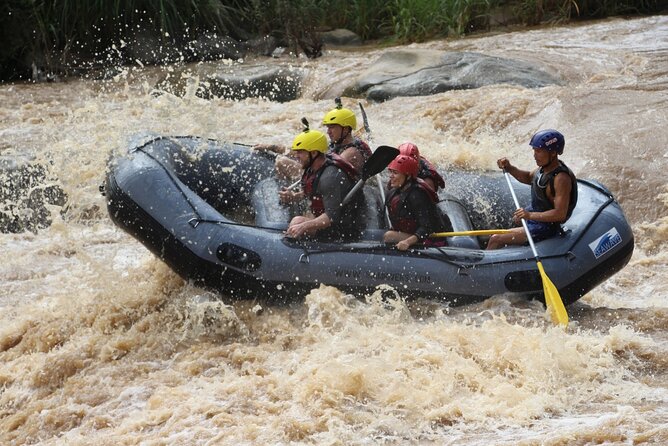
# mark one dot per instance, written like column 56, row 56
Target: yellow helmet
column 341, row 116
column 310, row 140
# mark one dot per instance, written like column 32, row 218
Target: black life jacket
column 398, row 209
column 540, row 183
column 310, row 180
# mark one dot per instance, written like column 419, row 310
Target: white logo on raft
column 605, row 242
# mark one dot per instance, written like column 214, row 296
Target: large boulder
column 239, row 81
column 427, row 72
column 26, row 195
column 340, row 37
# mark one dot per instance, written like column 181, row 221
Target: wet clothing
column 358, row 144
column 412, row 209
column 540, row 203
column 326, row 188
column 427, row 170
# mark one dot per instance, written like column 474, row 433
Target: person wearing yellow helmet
column 326, row 180
column 341, row 123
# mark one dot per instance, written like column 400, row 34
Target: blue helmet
column 549, row 139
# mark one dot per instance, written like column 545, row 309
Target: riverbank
column 49, row 40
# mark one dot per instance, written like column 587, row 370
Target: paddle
column 376, row 163
column 381, row 188
column 478, row 232
column 552, row 298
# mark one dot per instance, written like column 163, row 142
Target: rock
column 340, row 37
column 237, row 82
column 427, row 72
column 25, row 195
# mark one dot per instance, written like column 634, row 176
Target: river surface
column 101, row 343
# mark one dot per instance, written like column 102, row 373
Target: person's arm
column 353, row 156
column 424, row 211
column 308, row 227
column 522, row 176
column 333, row 188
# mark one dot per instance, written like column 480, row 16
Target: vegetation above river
column 41, row 36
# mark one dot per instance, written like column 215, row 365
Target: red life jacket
column 402, row 220
column 310, row 180
column 358, row 144
column 427, row 170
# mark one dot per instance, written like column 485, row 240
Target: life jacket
column 427, row 170
column 310, row 180
column 358, row 144
column 540, row 183
column 399, row 212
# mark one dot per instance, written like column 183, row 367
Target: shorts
column 541, row 231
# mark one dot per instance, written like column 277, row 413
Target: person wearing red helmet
column 554, row 192
column 426, row 170
column 411, row 205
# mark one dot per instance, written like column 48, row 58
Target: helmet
column 405, row 164
column 341, row 116
column 549, row 139
column 410, row 149
column 310, row 140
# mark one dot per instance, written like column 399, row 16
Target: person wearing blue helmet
column 554, row 192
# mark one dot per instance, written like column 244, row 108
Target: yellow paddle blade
column 476, row 232
column 553, row 300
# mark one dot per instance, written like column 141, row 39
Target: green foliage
column 50, row 33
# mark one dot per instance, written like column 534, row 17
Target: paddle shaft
column 378, row 161
column 479, row 232
column 381, row 188
column 524, row 223
column 553, row 300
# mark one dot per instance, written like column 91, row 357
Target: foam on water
column 100, row 342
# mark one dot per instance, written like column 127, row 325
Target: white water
column 100, row 343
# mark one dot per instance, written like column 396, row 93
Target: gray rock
column 25, row 194
column 427, row 72
column 340, row 37
column 238, row 81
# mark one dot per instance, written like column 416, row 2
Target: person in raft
column 326, row 180
column 426, row 170
column 341, row 124
column 554, row 192
column 411, row 205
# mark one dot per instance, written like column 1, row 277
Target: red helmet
column 405, row 164
column 410, row 149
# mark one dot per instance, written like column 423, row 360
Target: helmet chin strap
column 343, row 135
column 311, row 159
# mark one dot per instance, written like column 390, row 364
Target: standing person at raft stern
column 426, row 170
column 411, row 205
column 554, row 192
column 326, row 181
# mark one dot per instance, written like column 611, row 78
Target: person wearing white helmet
column 326, row 180
column 554, row 192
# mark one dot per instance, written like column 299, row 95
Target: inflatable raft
column 211, row 212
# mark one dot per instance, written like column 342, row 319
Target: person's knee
column 493, row 242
